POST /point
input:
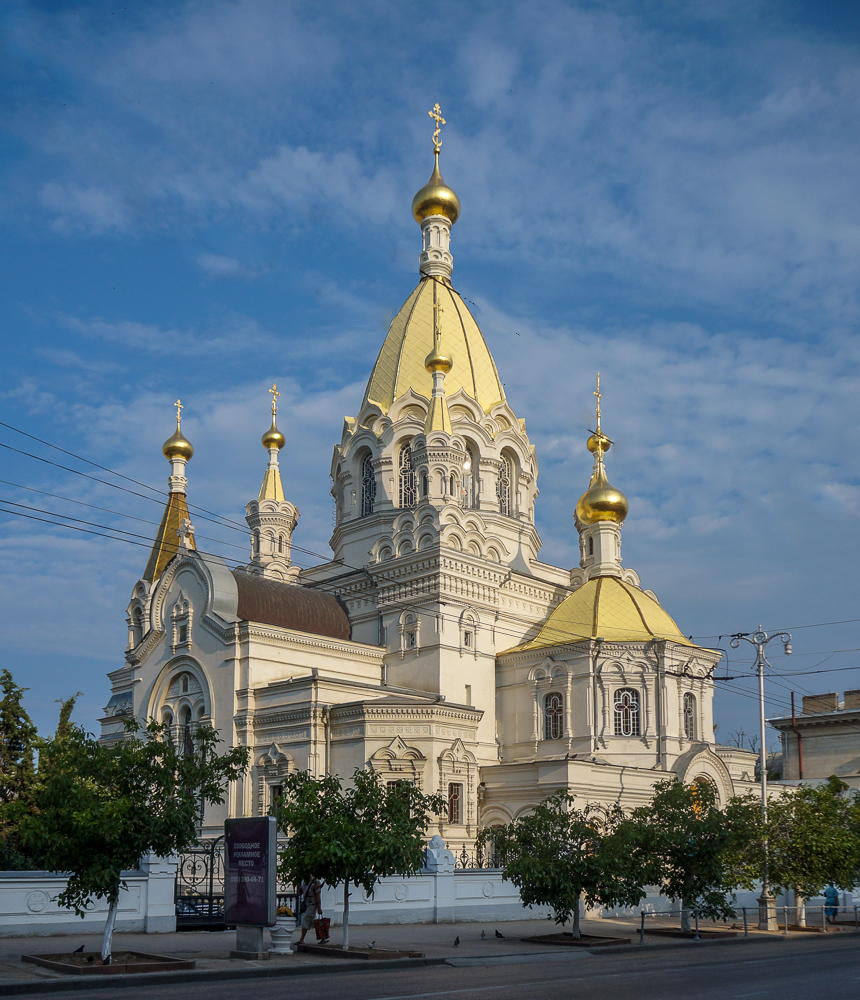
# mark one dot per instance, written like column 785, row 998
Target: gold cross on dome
column 436, row 115
column 597, row 393
column 179, row 409
column 275, row 394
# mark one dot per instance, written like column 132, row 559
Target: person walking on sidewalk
column 831, row 903
column 313, row 906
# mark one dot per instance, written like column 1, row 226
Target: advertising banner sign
column 250, row 875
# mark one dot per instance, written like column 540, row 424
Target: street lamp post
column 760, row 639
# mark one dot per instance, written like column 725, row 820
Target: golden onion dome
column 601, row 501
column 436, row 361
column 436, row 198
column 273, row 438
column 177, row 445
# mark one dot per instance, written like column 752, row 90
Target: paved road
column 782, row 971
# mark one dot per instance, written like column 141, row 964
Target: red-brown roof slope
column 289, row 606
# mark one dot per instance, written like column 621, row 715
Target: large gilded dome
column 610, row 609
column 401, row 362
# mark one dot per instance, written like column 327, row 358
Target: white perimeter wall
column 28, row 903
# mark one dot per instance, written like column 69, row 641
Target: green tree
column 813, row 840
column 558, row 855
column 18, row 746
column 689, row 844
column 98, row 809
column 354, row 835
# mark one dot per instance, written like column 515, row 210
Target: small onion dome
column 436, row 361
column 436, row 198
column 273, row 437
column 601, row 502
column 177, row 446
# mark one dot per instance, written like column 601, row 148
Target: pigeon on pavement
column 499, row 934
column 77, row 951
column 483, row 936
column 456, row 941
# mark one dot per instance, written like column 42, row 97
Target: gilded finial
column 436, row 115
column 597, row 393
column 177, row 445
column 436, row 360
column 273, row 438
column 598, row 442
column 601, row 501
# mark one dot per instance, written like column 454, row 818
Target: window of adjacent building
column 690, row 716
column 455, row 803
column 503, row 487
column 276, row 794
column 368, row 486
column 408, row 488
column 626, row 712
column 553, row 715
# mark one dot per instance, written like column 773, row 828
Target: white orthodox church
column 435, row 646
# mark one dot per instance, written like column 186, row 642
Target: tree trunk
column 345, row 944
column 576, row 932
column 799, row 910
column 110, row 923
column 685, row 916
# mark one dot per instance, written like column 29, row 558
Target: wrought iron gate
column 199, row 894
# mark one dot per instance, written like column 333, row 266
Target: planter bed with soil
column 122, row 962
column 676, row 932
column 583, row 941
column 335, row 951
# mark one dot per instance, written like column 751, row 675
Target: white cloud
column 78, row 207
column 221, row 266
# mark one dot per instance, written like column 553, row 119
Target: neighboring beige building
column 435, row 646
column 823, row 739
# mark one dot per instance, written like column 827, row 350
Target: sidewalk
column 211, row 950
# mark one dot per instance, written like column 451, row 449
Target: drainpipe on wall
column 799, row 742
column 326, row 715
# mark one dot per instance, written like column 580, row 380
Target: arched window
column 591, row 546
column 186, row 737
column 503, row 487
column 137, row 626
column 368, row 486
column 184, row 683
column 425, row 484
column 453, row 484
column 553, row 727
column 690, row 716
column 280, row 544
column 255, row 543
column 408, row 490
column 626, row 712
column 469, row 486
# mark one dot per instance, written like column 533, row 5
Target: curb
column 70, row 983
column 619, row 949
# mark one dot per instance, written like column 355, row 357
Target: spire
column 600, row 502
column 175, row 531
column 600, row 511
column 271, row 517
column 438, row 364
column 436, row 208
column 273, row 440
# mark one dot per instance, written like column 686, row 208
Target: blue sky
column 199, row 199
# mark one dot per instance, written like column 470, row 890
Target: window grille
column 553, row 713
column 368, row 486
column 626, row 712
column 690, row 716
column 503, row 487
column 408, row 489
column 455, row 797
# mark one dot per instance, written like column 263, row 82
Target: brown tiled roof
column 289, row 606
